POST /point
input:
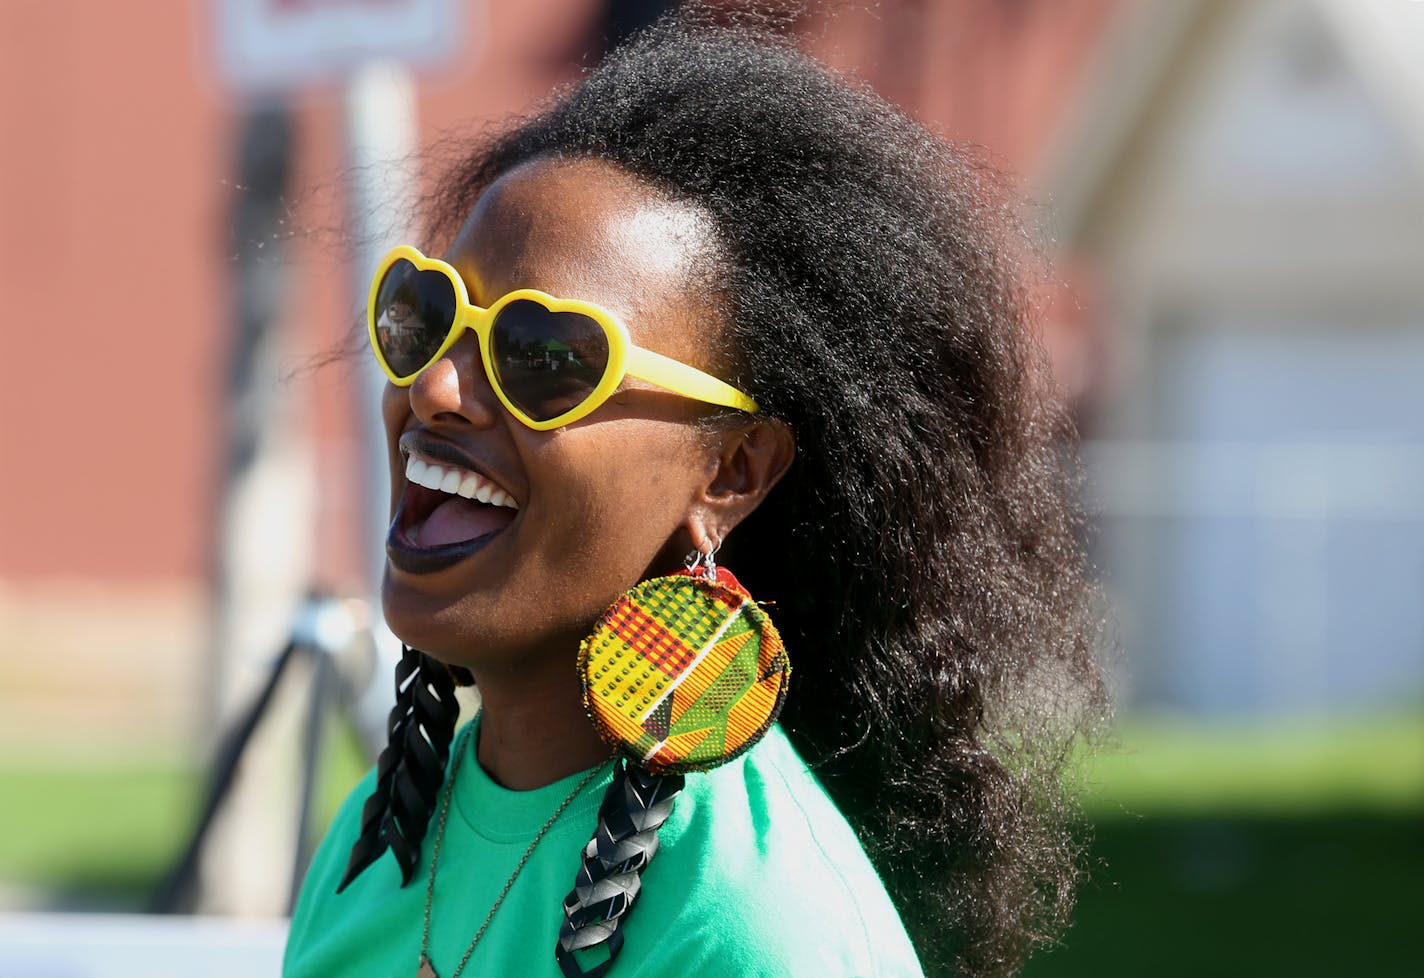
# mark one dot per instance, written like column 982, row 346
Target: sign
column 278, row 45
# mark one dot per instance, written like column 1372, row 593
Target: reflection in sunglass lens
column 413, row 312
column 548, row 363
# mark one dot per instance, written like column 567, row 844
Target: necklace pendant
column 426, row 970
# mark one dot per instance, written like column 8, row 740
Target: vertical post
column 253, row 417
column 381, row 133
column 263, row 556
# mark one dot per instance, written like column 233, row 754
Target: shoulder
column 760, row 874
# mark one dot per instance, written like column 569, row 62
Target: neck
column 533, row 728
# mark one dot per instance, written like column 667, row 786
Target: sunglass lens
column 548, row 363
column 414, row 309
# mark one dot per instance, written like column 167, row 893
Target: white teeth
column 471, row 485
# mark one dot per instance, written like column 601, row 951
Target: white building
column 1247, row 178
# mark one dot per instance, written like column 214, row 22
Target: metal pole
column 381, row 130
column 253, row 411
column 263, row 553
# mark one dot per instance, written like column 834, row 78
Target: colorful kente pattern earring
column 681, row 674
column 684, row 672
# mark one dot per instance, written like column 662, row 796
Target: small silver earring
column 705, row 562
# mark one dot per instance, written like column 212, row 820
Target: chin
column 425, row 621
column 475, row 630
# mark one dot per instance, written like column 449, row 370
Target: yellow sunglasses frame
column 625, row 358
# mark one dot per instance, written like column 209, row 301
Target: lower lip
column 407, row 557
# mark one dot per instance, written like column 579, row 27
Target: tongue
column 459, row 519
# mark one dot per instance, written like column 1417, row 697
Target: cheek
column 620, row 500
column 395, row 408
column 395, row 412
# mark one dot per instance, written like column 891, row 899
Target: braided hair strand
column 411, row 767
column 609, row 879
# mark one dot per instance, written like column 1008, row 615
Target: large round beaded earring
column 682, row 674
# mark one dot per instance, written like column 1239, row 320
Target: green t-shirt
column 757, row 874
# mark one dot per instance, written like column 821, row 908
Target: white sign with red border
column 273, row 45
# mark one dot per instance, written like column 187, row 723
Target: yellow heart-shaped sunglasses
column 550, row 361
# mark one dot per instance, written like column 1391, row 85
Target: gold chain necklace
column 426, row 969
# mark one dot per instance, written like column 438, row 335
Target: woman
column 855, row 431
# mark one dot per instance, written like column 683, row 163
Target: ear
column 747, row 462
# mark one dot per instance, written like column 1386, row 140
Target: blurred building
column 1246, row 180
column 205, row 470
column 120, row 196
column 1240, row 203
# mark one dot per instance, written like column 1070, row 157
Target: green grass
column 1186, row 768
column 1248, row 895
column 100, row 835
column 1290, row 849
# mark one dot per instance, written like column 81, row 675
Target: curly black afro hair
column 923, row 554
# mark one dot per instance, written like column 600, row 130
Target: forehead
column 584, row 229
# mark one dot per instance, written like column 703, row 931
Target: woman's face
column 601, row 503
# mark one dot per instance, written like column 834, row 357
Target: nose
column 455, row 389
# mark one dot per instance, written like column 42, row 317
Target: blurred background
column 1231, row 193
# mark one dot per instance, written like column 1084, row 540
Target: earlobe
column 751, row 460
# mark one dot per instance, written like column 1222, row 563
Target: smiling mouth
column 445, row 514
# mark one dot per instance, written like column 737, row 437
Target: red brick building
column 115, row 194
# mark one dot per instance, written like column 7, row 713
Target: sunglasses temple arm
column 688, row 381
